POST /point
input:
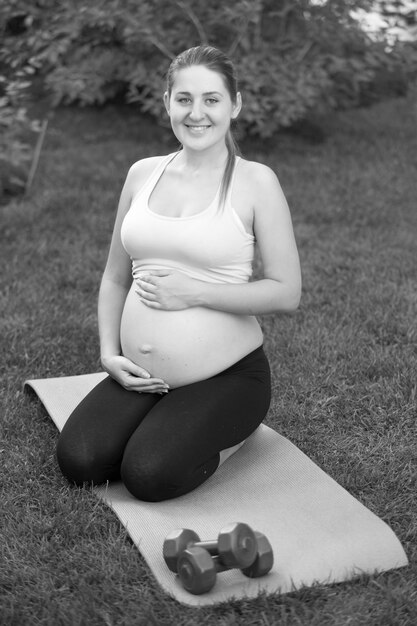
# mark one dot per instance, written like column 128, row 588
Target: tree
column 291, row 56
column 398, row 19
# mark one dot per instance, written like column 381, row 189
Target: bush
column 292, row 57
column 15, row 126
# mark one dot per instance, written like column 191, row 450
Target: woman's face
column 200, row 107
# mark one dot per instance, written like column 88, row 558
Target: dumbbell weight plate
column 237, row 546
column 264, row 559
column 175, row 543
column 196, row 570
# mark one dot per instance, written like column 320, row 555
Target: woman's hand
column 169, row 290
column 131, row 376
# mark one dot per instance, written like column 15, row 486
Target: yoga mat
column 318, row 531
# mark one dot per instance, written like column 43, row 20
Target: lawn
column 344, row 366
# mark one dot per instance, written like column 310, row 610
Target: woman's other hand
column 131, row 376
column 169, row 290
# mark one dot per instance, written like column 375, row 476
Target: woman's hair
column 215, row 60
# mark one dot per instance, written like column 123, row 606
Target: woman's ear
column 166, row 101
column 237, row 106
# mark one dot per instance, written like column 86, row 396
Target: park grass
column 344, row 366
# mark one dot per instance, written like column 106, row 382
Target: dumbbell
column 198, row 570
column 235, row 546
column 264, row 558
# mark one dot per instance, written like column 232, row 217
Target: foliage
column 14, row 120
column 394, row 23
column 398, row 18
column 291, row 57
column 15, row 124
column 15, row 127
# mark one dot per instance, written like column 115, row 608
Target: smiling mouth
column 197, row 126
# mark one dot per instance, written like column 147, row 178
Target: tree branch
column 194, row 19
column 161, row 47
column 238, row 37
column 36, row 156
column 255, row 16
column 304, row 51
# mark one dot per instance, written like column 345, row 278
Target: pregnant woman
column 188, row 378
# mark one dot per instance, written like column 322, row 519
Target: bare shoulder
column 136, row 177
column 143, row 168
column 258, row 183
column 256, row 171
column 256, row 176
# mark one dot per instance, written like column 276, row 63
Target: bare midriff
column 186, row 346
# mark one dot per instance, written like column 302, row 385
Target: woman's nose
column 196, row 112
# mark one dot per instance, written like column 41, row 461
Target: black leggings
column 164, row 446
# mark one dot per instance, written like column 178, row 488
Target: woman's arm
column 280, row 288
column 115, row 285
column 115, row 282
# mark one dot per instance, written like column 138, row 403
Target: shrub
column 292, row 57
column 15, row 126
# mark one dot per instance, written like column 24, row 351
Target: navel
column 146, row 348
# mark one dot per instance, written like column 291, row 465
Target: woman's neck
column 196, row 162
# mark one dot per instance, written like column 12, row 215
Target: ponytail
column 232, row 152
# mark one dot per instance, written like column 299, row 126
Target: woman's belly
column 185, row 346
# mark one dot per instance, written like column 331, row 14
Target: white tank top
column 211, row 245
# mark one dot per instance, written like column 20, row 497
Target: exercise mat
column 318, row 531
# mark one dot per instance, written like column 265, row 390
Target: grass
column 344, row 367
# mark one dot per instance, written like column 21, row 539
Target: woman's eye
column 212, row 100
column 184, row 100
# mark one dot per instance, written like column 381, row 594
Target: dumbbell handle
column 221, row 567
column 211, row 546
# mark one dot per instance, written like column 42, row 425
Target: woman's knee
column 72, row 463
column 146, row 479
column 155, row 478
column 80, row 465
column 152, row 478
